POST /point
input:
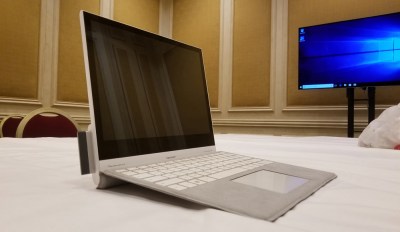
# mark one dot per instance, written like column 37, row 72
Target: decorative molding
column 250, row 109
column 72, row 104
column 287, row 127
column 79, row 111
column 330, row 108
column 279, row 40
column 274, row 54
column 48, row 52
column 280, row 123
column 166, row 16
column 107, row 8
column 216, row 110
column 11, row 106
column 81, row 119
column 225, row 58
column 82, row 122
column 22, row 101
column 279, row 55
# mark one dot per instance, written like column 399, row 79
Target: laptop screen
column 149, row 93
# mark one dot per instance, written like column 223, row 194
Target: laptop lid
column 147, row 93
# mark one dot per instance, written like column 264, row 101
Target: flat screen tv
column 355, row 53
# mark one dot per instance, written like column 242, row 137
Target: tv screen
column 354, row 53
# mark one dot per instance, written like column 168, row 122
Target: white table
column 41, row 189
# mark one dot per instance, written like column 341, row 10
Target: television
column 361, row 52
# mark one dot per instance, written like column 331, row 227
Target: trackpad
column 272, row 181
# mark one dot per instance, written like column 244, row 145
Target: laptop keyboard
column 190, row 172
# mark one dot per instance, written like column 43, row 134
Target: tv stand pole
column 350, row 112
column 371, row 104
column 350, row 108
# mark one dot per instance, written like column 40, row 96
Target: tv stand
column 350, row 108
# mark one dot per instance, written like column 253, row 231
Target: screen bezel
column 325, row 85
column 106, row 148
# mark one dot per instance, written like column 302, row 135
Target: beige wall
column 251, row 53
column 197, row 22
column 19, row 48
column 71, row 83
column 138, row 13
column 249, row 47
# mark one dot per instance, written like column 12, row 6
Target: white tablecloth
column 41, row 189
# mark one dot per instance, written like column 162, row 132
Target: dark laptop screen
column 149, row 92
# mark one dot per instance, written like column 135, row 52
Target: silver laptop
column 151, row 126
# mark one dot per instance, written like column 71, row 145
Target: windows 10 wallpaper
column 360, row 52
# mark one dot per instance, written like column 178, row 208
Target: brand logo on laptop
column 171, row 157
column 115, row 165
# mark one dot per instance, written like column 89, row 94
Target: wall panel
column 19, row 48
column 197, row 22
column 251, row 53
column 143, row 14
column 71, row 82
column 312, row 12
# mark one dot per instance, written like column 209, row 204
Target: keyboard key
column 226, row 173
column 130, row 173
column 155, row 178
column 178, row 173
column 248, row 167
column 177, row 187
column 121, row 170
column 189, row 171
column 142, row 176
column 203, row 173
column 206, row 179
column 197, row 182
column 186, row 177
column 169, row 181
column 194, row 175
column 187, row 184
column 169, row 175
column 156, row 173
column 206, row 172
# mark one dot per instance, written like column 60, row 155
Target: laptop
column 151, row 126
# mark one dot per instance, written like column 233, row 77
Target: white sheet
column 41, row 190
